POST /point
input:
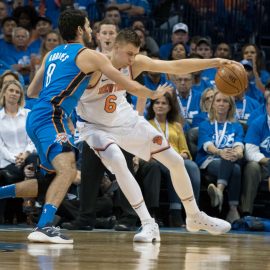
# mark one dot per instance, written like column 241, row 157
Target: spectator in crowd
column 3, row 12
column 220, row 149
column 199, row 84
column 178, row 51
column 130, row 9
column 106, row 34
column 223, row 50
column 257, row 153
column 252, row 53
column 16, row 146
column 252, row 90
column 188, row 99
column 193, row 44
column 151, row 44
column 163, row 114
column 26, row 17
column 262, row 108
column 7, row 76
column 7, row 24
column 204, row 49
column 245, row 105
column 20, row 58
column 179, row 34
column 145, row 46
column 42, row 27
column 205, row 103
column 113, row 14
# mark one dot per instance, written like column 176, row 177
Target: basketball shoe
column 201, row 221
column 49, row 234
column 149, row 232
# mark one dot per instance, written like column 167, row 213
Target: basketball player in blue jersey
column 60, row 82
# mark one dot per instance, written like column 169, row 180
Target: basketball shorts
column 140, row 139
column 47, row 127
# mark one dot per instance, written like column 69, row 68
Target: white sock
column 180, row 179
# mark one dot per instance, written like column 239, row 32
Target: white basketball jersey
column 106, row 104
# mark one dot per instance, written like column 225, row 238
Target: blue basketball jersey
column 64, row 83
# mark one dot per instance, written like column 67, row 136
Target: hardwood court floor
column 115, row 250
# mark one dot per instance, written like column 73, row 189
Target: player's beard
column 86, row 39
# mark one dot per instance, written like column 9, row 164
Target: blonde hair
column 4, row 89
column 230, row 115
column 203, row 98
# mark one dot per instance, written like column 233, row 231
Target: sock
column 47, row 215
column 180, row 179
column 8, row 191
column 142, row 211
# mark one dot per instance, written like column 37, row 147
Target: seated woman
column 205, row 103
column 15, row 145
column 220, row 147
column 164, row 115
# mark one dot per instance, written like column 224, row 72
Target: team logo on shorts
column 158, row 140
column 62, row 138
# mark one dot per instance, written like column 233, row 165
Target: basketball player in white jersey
column 107, row 122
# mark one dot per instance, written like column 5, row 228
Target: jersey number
column 110, row 105
column 49, row 74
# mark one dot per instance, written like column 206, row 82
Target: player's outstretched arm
column 90, row 61
column 184, row 66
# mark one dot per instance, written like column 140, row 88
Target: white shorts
column 140, row 139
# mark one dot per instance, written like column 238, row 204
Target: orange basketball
column 231, row 79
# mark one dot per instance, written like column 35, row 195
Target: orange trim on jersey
column 103, row 149
column 46, row 169
column 71, row 88
column 161, row 150
column 90, row 87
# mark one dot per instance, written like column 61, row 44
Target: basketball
column 231, row 79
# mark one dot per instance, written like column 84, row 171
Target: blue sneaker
column 49, row 234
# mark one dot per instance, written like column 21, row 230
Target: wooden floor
column 115, row 250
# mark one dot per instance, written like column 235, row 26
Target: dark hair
column 176, row 44
column 8, row 19
column 259, row 63
column 173, row 115
column 112, row 8
column 128, row 36
column 68, row 23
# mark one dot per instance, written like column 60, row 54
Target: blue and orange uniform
column 63, row 85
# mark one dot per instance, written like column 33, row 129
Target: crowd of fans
column 233, row 132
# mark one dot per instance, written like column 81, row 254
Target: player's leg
column 22, row 189
column 196, row 220
column 114, row 159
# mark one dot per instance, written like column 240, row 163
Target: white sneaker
column 49, row 234
column 149, row 233
column 216, row 196
column 201, row 221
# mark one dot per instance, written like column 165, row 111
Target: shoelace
column 53, row 230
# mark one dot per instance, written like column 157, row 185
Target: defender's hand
column 161, row 90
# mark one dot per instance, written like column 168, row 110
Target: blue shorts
column 47, row 126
